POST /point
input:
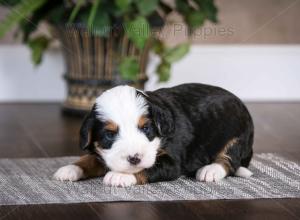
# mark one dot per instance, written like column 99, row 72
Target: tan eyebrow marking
column 111, row 126
column 142, row 121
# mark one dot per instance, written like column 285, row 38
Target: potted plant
column 105, row 42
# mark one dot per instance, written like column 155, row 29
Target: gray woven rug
column 28, row 181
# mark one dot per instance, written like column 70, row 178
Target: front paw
column 211, row 173
column 119, row 179
column 69, row 173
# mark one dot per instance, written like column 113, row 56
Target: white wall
column 21, row 81
column 254, row 73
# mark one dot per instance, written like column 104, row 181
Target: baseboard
column 253, row 72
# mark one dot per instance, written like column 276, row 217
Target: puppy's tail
column 243, row 172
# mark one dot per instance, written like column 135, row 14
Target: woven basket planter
column 92, row 65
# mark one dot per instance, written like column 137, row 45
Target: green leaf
column 28, row 27
column 182, row 6
column 176, row 53
column 84, row 16
column 209, row 9
column 101, row 25
column 138, row 31
column 195, row 19
column 9, row 2
column 164, row 71
column 38, row 45
column 55, row 15
column 93, row 12
column 51, row 12
column 19, row 12
column 129, row 68
column 146, row 7
column 123, row 5
column 75, row 11
column 158, row 47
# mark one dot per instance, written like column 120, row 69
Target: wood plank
column 14, row 138
column 49, row 211
column 144, row 210
column 291, row 205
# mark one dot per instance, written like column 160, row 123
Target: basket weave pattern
column 92, row 64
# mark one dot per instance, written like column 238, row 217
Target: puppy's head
column 123, row 129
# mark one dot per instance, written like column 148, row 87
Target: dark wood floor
column 39, row 130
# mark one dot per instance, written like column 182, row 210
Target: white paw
column 211, row 173
column 243, row 172
column 69, row 173
column 119, row 179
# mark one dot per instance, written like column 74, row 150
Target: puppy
column 136, row 137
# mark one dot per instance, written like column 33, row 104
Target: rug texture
column 29, row 181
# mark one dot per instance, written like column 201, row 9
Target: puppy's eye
column 109, row 135
column 146, row 129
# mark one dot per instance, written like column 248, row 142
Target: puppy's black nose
column 134, row 160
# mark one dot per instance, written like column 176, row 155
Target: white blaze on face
column 122, row 106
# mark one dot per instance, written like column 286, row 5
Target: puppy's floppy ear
column 86, row 129
column 162, row 116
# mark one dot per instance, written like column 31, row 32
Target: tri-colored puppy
column 136, row 137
